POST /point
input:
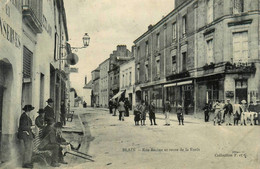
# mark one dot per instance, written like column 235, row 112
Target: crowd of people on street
column 228, row 113
column 46, row 130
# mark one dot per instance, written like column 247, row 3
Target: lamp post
column 72, row 59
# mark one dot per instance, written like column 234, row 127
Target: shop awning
column 118, row 94
column 179, row 83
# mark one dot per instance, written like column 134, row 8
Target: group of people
column 122, row 106
column 140, row 112
column 226, row 112
column 48, row 131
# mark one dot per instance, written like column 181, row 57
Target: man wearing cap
column 228, row 112
column 25, row 133
column 49, row 112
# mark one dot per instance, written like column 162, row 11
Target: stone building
column 87, row 91
column 119, row 56
column 127, row 79
column 31, row 30
column 227, row 51
column 202, row 51
column 103, row 86
column 95, row 95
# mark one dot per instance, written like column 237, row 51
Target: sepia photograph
column 130, row 84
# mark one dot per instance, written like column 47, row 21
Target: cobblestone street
column 117, row 144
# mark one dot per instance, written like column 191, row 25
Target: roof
column 89, row 85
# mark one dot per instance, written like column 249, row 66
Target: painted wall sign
column 8, row 32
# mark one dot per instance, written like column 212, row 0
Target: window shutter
column 27, row 58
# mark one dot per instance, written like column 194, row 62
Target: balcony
column 32, row 14
column 178, row 75
column 232, row 68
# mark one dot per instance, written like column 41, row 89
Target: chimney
column 86, row 80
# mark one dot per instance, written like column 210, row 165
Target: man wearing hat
column 25, row 133
column 39, row 121
column 228, row 112
column 49, row 112
column 257, row 108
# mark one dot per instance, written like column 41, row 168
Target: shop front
column 181, row 93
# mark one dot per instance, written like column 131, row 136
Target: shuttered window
column 27, row 62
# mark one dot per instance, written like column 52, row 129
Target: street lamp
column 86, row 40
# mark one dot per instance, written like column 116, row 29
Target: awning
column 170, row 85
column 178, row 84
column 118, row 94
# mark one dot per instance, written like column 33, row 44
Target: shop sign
column 74, row 70
column 187, row 87
column 230, row 94
column 8, row 33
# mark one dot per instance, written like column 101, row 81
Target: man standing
column 180, row 113
column 217, row 113
column 63, row 113
column 152, row 113
column 25, row 133
column 228, row 112
column 49, row 112
column 167, row 110
column 110, row 105
column 206, row 112
column 127, row 106
column 121, row 109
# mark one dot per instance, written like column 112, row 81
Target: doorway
column 241, row 90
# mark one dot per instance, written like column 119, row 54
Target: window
column 174, row 31
column 123, row 81
column 138, row 52
column 212, row 92
column 27, row 62
column 130, row 78
column 184, row 66
column 174, row 64
column 146, row 48
column 240, row 47
column 146, row 72
column 210, row 58
column 210, row 11
column 184, row 25
column 158, row 67
column 238, row 6
column 126, row 79
column 158, row 40
column 137, row 74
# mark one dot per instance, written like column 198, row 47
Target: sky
column 109, row 23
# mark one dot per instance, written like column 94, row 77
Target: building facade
column 27, row 48
column 202, row 51
column 103, row 88
column 87, row 91
column 95, row 95
column 127, row 79
column 119, row 56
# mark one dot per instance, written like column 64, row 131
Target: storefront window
column 212, row 92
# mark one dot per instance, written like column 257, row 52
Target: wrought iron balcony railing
column 32, row 14
column 240, row 67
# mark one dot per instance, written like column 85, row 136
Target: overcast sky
column 109, row 23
